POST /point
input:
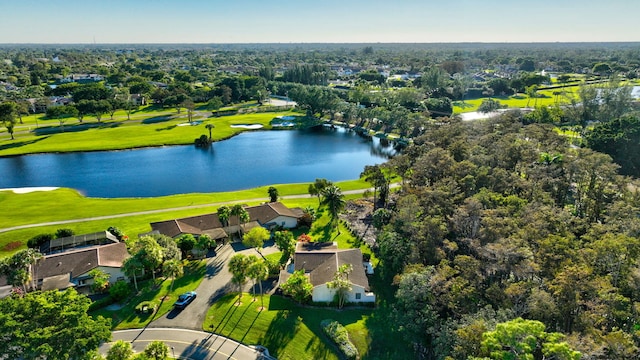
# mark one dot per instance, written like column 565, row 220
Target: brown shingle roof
column 80, row 261
column 202, row 224
column 169, row 227
column 323, row 264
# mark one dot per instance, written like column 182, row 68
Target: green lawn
column 155, row 129
column 286, row 329
column 68, row 204
column 159, row 292
column 545, row 97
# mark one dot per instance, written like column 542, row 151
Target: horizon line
column 325, row 43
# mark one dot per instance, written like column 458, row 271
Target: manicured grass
column 516, row 101
column 67, row 204
column 157, row 129
column 159, row 292
column 288, row 330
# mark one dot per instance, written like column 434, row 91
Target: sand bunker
column 25, row 190
column 248, row 126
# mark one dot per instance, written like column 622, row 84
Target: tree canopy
column 51, row 324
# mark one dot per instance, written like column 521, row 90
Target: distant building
column 82, row 78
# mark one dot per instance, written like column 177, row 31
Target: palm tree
column 258, row 271
column 209, row 127
column 333, row 199
column 341, row 283
column 315, row 189
column 238, row 265
column 223, row 215
column 251, row 260
column 131, row 267
column 241, row 214
column 173, row 269
column 244, row 218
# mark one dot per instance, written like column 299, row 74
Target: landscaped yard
column 158, row 292
column 288, row 330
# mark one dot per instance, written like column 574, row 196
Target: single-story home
column 76, row 241
column 267, row 215
column 71, row 268
column 321, row 261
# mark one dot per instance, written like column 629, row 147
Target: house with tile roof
column 321, row 261
column 71, row 268
column 268, row 215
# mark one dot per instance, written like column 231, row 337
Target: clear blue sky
column 284, row 21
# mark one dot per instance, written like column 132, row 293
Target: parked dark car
column 185, row 299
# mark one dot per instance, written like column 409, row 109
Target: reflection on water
column 248, row 160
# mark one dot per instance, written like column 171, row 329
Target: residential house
column 321, row 261
column 77, row 241
column 82, row 78
column 138, row 99
column 268, row 215
column 71, row 268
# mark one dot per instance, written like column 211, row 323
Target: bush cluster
column 146, row 307
column 99, row 304
column 340, row 336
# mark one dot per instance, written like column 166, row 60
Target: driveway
column 182, row 331
column 216, row 282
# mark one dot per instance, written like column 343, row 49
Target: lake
column 247, row 160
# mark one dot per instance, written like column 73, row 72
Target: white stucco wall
column 286, row 221
column 114, row 273
column 322, row 293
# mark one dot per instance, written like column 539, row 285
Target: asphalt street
column 182, row 329
column 186, row 344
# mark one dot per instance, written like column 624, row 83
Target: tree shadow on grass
column 78, row 127
column 280, row 332
column 156, row 119
column 170, row 127
column 323, row 234
column 17, row 144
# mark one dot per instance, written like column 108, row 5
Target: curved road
column 147, row 212
column 186, row 344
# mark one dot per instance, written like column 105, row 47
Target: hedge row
column 340, row 336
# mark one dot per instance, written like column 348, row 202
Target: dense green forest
column 496, row 221
column 515, row 237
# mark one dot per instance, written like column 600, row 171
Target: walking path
column 158, row 211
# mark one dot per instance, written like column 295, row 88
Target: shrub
column 304, row 238
column 38, row 240
column 116, row 232
column 99, row 304
column 120, row 290
column 146, row 307
column 336, row 332
column 62, row 233
column 274, row 268
column 202, row 141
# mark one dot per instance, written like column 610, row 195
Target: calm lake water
column 245, row 161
